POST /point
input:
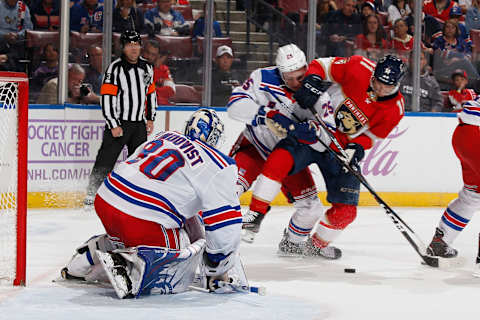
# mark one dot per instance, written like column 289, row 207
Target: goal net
column 13, row 174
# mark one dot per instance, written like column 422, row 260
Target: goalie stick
column 416, row 243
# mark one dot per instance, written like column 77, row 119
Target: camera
column 85, row 89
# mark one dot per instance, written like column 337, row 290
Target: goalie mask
column 205, row 125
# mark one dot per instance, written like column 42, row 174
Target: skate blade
column 449, row 263
column 248, row 236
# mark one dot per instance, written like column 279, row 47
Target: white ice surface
column 389, row 283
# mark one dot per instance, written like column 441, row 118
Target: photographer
column 78, row 92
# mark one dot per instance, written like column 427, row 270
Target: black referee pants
column 134, row 134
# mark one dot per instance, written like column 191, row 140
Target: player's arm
column 244, row 104
column 151, row 103
column 109, row 91
column 222, row 219
column 380, row 125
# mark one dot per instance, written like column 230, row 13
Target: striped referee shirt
column 128, row 92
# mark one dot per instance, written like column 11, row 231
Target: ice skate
column 67, row 276
column 440, row 248
column 116, row 268
column 251, row 225
column 327, row 252
column 88, row 203
column 289, row 248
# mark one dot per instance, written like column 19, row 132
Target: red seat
column 186, row 11
column 216, row 42
column 42, row 22
column 179, row 47
column 38, row 39
column 85, row 40
column 186, row 94
column 294, row 6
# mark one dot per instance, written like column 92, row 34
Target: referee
column 128, row 106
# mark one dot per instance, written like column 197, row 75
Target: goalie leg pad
column 168, row 271
column 85, row 262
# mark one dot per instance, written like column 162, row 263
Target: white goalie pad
column 152, row 269
column 85, row 263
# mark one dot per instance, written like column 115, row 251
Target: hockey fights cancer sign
column 63, row 144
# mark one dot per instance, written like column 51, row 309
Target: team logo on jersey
column 349, row 118
column 147, row 78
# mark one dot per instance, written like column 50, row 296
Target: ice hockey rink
column 389, row 283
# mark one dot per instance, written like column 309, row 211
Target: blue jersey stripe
column 473, row 113
column 146, row 191
column 222, row 224
column 456, row 216
column 142, row 204
column 221, row 209
column 451, row 225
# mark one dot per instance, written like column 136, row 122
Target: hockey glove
column 312, row 88
column 305, row 132
column 274, row 120
column 355, row 154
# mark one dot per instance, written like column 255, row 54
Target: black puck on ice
column 349, row 270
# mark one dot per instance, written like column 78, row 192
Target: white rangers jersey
column 170, row 178
column 470, row 113
column 265, row 87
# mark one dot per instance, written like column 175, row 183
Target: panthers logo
column 348, row 118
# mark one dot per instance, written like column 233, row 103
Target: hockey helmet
column 290, row 58
column 389, row 70
column 130, row 36
column 205, row 125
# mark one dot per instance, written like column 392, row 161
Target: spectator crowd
column 173, row 33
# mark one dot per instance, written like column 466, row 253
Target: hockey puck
column 349, row 270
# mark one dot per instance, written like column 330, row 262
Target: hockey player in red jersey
column 466, row 144
column 366, row 105
column 266, row 98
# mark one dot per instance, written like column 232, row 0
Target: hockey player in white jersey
column 266, row 105
column 459, row 212
column 145, row 203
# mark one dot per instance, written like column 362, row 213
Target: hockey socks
column 458, row 214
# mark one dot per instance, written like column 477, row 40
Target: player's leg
column 342, row 192
column 249, row 163
column 105, row 161
column 136, row 134
column 466, row 143
column 300, row 189
column 288, row 157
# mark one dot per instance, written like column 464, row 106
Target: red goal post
column 13, row 176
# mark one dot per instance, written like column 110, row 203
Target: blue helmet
column 205, row 125
column 389, row 70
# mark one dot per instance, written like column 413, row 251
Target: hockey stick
column 401, row 225
column 397, row 221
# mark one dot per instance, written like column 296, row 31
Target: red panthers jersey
column 360, row 117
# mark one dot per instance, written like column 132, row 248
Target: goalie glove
column 355, row 154
column 274, row 120
column 312, row 88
